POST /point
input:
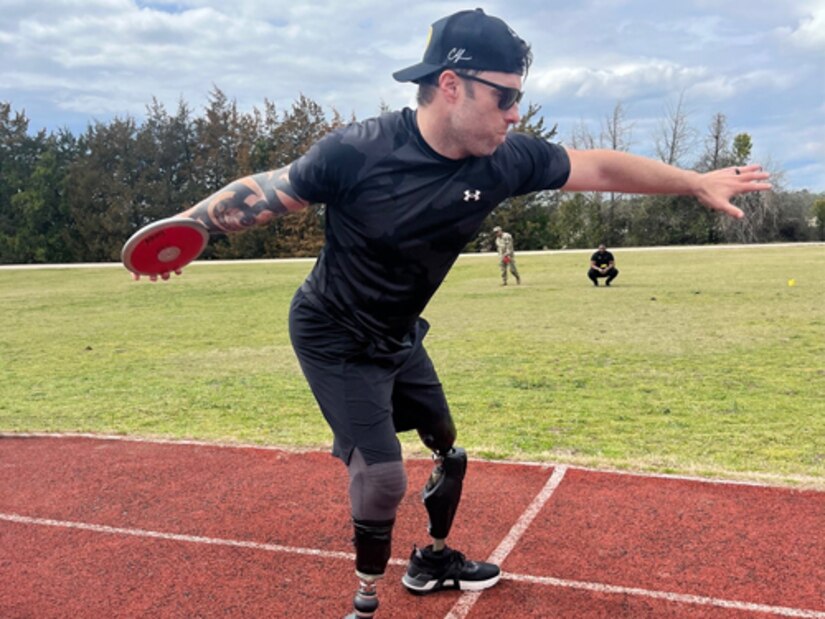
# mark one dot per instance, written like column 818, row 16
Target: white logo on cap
column 456, row 55
column 472, row 195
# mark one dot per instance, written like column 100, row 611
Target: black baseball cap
column 470, row 40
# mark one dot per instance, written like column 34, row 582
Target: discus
column 164, row 246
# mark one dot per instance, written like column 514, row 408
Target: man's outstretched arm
column 245, row 203
column 608, row 170
column 248, row 202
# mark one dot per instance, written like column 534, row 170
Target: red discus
column 164, row 246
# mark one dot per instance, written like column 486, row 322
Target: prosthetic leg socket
column 443, row 490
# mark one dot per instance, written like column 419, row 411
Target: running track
column 116, row 527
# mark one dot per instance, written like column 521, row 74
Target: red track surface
column 92, row 527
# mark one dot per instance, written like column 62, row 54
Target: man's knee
column 377, row 489
column 440, row 435
column 375, row 493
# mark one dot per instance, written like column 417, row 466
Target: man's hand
column 154, row 278
column 715, row 189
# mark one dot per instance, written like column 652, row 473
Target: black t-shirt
column 398, row 214
column 602, row 258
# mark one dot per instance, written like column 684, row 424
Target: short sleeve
column 331, row 166
column 311, row 175
column 536, row 163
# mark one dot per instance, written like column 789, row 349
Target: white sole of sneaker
column 463, row 585
column 478, row 585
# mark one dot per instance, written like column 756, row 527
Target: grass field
column 697, row 361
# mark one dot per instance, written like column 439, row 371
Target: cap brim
column 416, row 72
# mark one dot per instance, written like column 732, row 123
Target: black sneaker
column 430, row 571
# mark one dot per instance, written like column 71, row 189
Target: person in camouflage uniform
column 506, row 255
column 405, row 193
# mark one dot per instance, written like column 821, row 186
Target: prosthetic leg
column 442, row 493
column 439, row 567
column 373, row 544
column 375, row 492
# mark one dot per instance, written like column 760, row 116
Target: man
column 602, row 264
column 404, row 194
column 506, row 255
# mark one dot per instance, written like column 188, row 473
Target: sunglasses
column 508, row 97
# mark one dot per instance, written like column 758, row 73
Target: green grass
column 700, row 362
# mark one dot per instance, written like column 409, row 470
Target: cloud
column 725, row 87
column 620, row 81
column 809, row 33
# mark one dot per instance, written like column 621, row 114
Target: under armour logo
column 472, row 195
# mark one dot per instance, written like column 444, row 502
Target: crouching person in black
column 602, row 264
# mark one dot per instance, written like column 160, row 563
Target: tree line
column 76, row 198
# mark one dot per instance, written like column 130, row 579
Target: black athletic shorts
column 367, row 395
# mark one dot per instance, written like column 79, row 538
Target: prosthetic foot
column 366, row 600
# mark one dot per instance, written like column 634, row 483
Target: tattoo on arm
column 251, row 201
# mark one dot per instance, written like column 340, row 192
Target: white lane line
column 175, row 537
column 465, row 603
column 125, row 438
column 326, row 554
column 682, row 598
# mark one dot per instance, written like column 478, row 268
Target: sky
column 760, row 63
